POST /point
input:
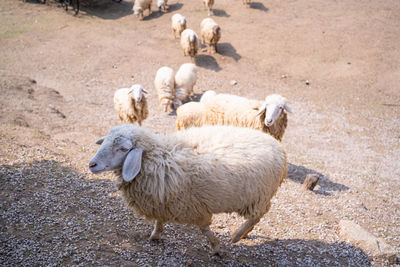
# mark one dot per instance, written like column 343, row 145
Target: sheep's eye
column 123, row 149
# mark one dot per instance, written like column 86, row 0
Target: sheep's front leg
column 214, row 242
column 157, row 231
column 243, row 230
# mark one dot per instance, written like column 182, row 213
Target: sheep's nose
column 269, row 121
column 92, row 164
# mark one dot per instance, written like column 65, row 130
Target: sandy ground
column 337, row 62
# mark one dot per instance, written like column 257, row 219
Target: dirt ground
column 337, row 63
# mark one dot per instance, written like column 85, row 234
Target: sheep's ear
column 132, row 164
column 287, row 108
column 144, row 91
column 100, row 140
column 261, row 110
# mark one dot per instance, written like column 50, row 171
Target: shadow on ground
column 207, row 62
column 226, row 49
column 298, row 174
column 220, row 13
column 106, row 9
column 258, row 6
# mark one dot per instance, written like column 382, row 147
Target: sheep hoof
column 155, row 236
column 235, row 238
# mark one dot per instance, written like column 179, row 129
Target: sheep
column 165, row 85
column 189, row 114
column 190, row 43
column 210, row 34
column 188, row 176
column 208, row 4
column 206, row 95
column 269, row 116
column 178, row 24
column 185, row 79
column 140, row 6
column 130, row 104
column 162, row 5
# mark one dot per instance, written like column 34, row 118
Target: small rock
column 376, row 247
column 307, row 82
column 233, row 82
column 284, row 76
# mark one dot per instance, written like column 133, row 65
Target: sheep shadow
column 258, row 6
column 266, row 252
column 298, row 174
column 220, row 13
column 106, row 9
column 226, row 49
column 156, row 14
column 207, row 62
column 35, row 1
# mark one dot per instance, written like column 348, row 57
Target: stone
column 375, row 247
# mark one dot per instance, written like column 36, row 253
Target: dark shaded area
column 35, row 1
column 157, row 14
column 226, row 49
column 259, row 6
column 207, row 62
column 299, row 173
column 220, row 13
column 106, row 9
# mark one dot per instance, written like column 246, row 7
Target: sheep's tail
column 183, row 21
column 217, row 30
column 191, row 37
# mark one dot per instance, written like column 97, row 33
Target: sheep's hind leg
column 243, row 230
column 214, row 242
column 158, row 229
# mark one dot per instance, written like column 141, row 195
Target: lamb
column 140, row 6
column 206, row 95
column 190, row 175
column 210, row 34
column 164, row 83
column 178, row 24
column 131, row 104
column 208, row 4
column 189, row 114
column 269, row 116
column 162, row 5
column 190, row 43
column 185, row 79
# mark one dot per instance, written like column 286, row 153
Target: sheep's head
column 137, row 11
column 137, row 92
column 160, row 5
column 118, row 150
column 273, row 107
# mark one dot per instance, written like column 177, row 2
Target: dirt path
column 58, row 74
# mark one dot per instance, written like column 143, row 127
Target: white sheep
column 165, row 85
column 140, row 6
column 224, row 109
column 131, row 104
column 190, row 43
column 185, row 79
column 189, row 114
column 206, row 95
column 210, row 33
column 188, row 176
column 178, row 24
column 162, row 5
column 208, row 4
